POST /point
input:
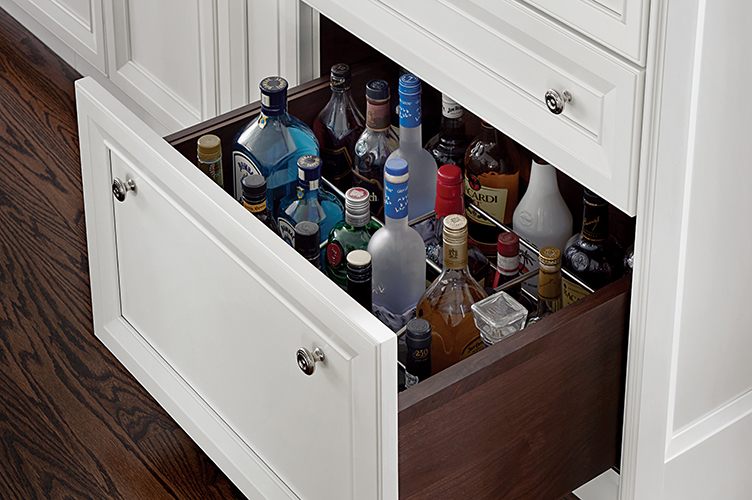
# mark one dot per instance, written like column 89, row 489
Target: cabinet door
column 208, row 308
column 621, row 25
column 77, row 23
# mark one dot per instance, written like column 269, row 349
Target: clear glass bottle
column 309, row 203
column 492, row 166
column 449, row 200
column 423, row 167
column 549, row 284
column 209, row 152
column 375, row 145
column 352, row 233
column 593, row 255
column 398, row 253
column 446, row 304
column 541, row 217
column 271, row 144
column 254, row 200
column 449, row 145
column 307, row 242
column 337, row 127
column 359, row 278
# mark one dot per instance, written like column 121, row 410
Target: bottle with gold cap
column 446, row 303
column 549, row 283
column 210, row 157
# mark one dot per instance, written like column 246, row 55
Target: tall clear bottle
column 423, row 167
column 309, row 202
column 398, row 253
column 271, row 144
column 337, row 127
column 449, row 145
column 446, row 304
column 375, row 145
column 541, row 217
column 549, row 283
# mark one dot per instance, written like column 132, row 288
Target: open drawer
column 207, row 308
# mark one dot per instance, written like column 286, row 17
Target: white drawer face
column 621, row 25
column 208, row 309
column 499, row 61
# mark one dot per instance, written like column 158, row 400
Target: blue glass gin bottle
column 271, row 144
column 309, row 203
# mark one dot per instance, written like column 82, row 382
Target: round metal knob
column 120, row 188
column 556, row 101
column 307, row 359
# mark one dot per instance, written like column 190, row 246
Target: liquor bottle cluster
column 365, row 244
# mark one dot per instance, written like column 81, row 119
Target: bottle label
column 492, row 193
column 409, row 111
column 572, row 292
column 595, row 222
column 255, row 207
column 286, row 231
column 375, row 192
column 472, row 347
column 243, row 167
column 395, row 200
column 451, row 109
column 455, row 256
column 549, row 285
column 337, row 164
column 334, row 254
column 378, row 117
column 508, row 266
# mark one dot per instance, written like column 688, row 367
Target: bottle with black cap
column 254, row 200
column 359, row 277
column 307, row 242
column 375, row 145
column 418, row 340
column 271, row 144
column 337, row 127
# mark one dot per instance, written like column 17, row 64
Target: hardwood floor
column 73, row 423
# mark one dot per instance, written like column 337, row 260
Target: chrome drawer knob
column 556, row 101
column 307, row 359
column 120, row 188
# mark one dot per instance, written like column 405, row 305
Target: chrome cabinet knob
column 556, row 101
column 307, row 359
column 120, row 188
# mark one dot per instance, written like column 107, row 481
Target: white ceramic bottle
column 541, row 217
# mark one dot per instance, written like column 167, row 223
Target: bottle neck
column 595, row 221
column 378, row 116
column 549, row 290
column 308, row 189
column 410, row 136
column 410, row 119
column 508, row 266
column 455, row 255
column 395, row 203
column 543, row 178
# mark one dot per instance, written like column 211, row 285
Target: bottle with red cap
column 508, row 262
column 449, row 200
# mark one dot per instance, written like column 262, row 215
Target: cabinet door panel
column 185, row 279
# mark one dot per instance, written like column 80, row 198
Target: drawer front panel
column 500, row 63
column 620, row 25
column 180, row 270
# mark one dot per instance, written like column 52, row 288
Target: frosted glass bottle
column 423, row 168
column 541, row 217
column 398, row 253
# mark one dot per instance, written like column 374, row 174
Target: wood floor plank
column 73, row 422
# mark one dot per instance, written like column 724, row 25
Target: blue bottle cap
column 273, row 95
column 377, row 90
column 409, row 84
column 309, row 168
column 395, row 168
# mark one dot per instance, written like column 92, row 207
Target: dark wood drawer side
column 536, row 416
